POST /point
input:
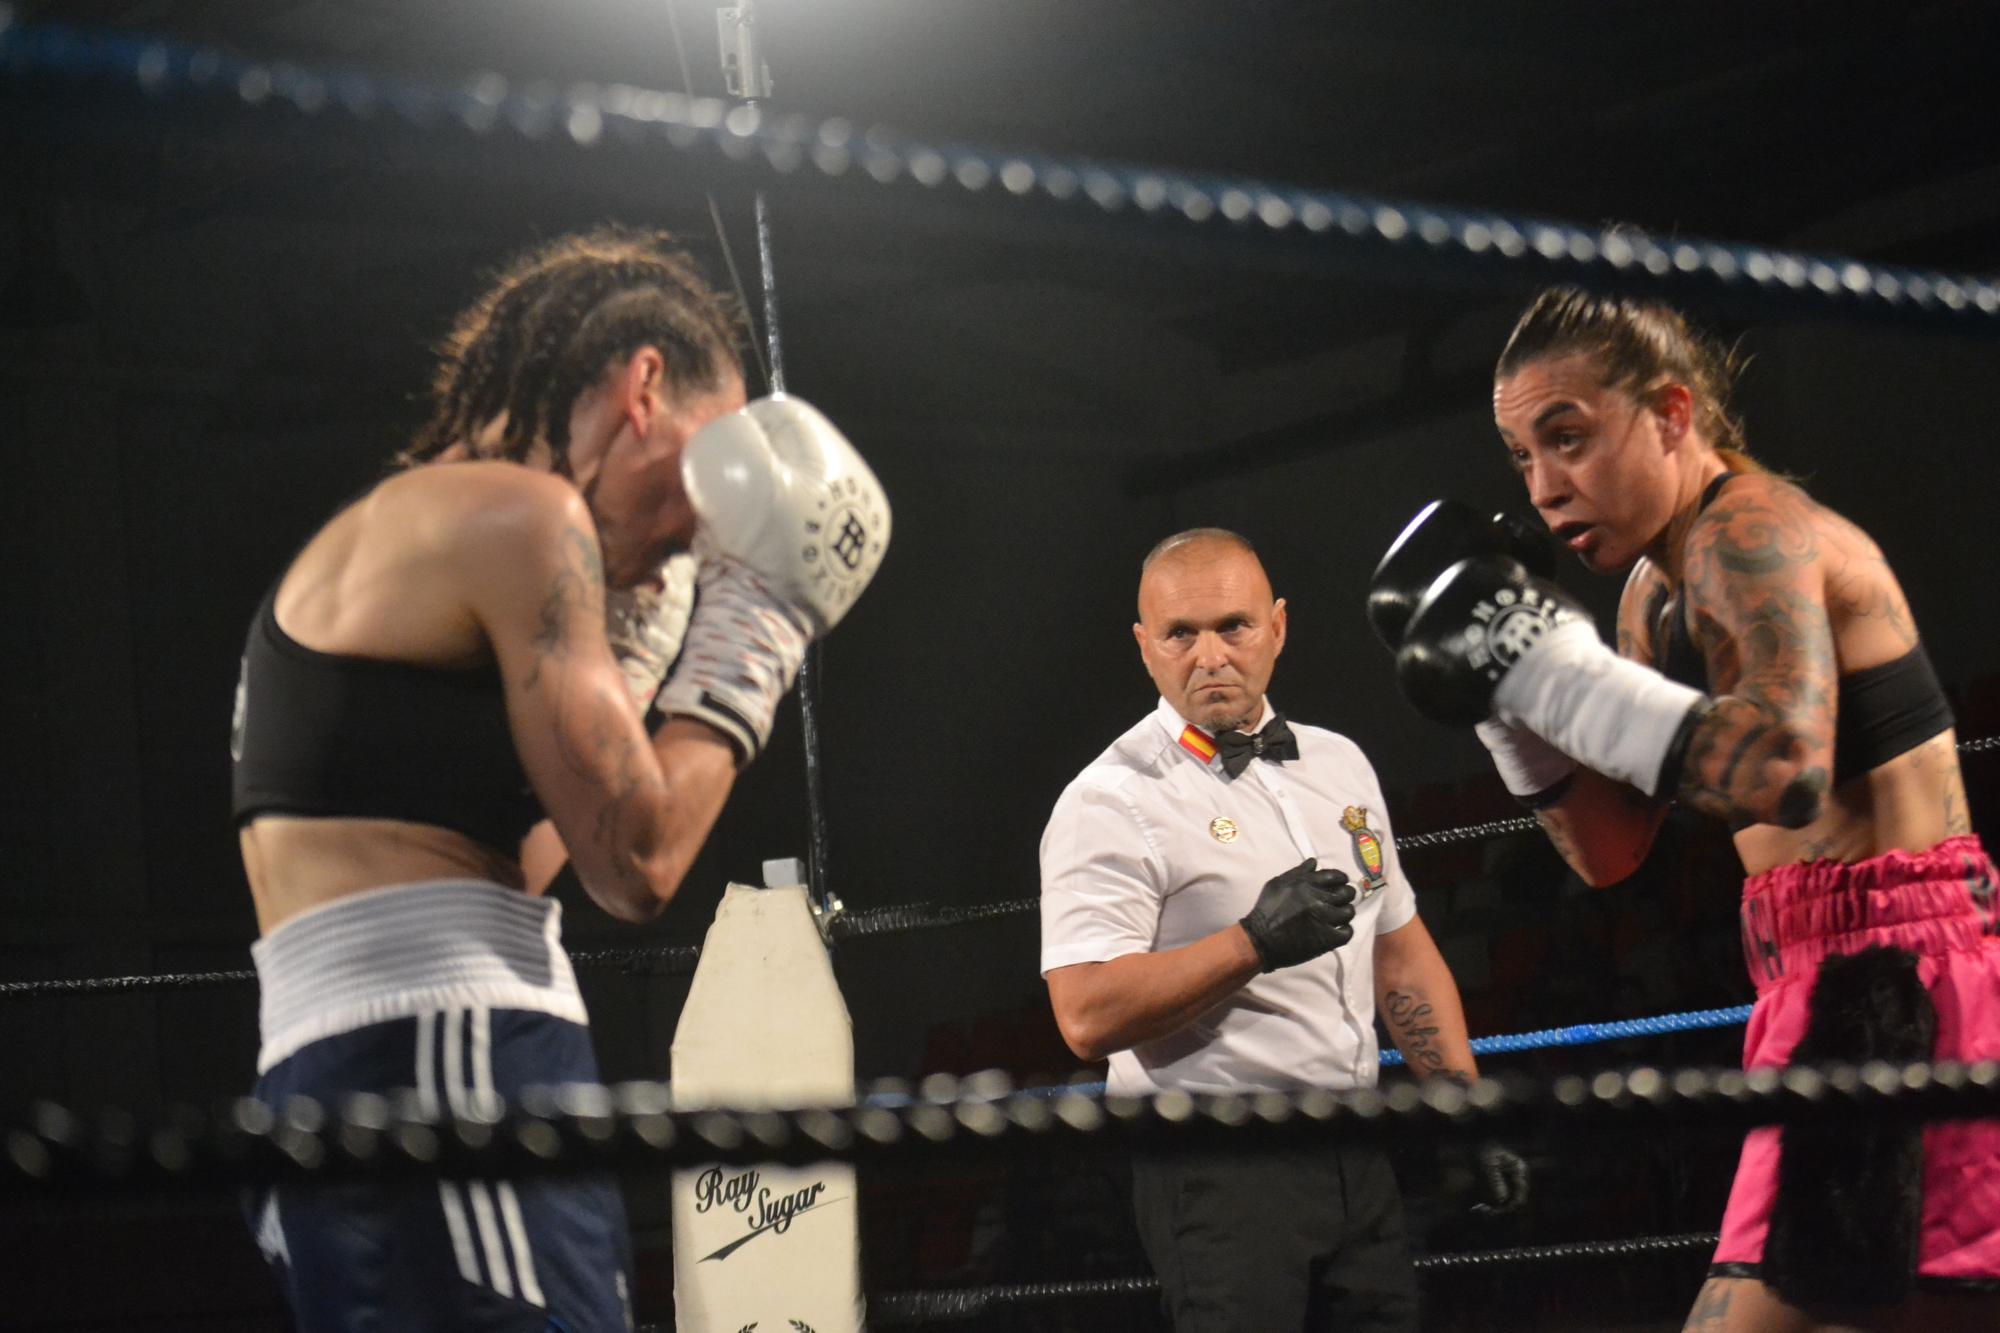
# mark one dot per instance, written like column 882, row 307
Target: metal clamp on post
column 787, row 871
column 743, row 69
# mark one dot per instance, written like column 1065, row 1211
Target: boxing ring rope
column 903, row 1308
column 922, row 1307
column 1314, row 227
column 634, row 1126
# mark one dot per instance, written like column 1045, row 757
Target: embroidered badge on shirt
column 1222, row 829
column 1367, row 847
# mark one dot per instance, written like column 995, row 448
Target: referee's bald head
column 1195, row 537
column 1196, row 546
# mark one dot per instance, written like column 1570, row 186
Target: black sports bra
column 1883, row 711
column 322, row 734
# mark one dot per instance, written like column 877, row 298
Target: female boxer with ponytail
column 1768, row 672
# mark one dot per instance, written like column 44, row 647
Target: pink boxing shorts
column 1940, row 905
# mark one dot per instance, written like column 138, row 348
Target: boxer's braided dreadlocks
column 547, row 328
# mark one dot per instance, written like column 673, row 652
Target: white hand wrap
column 742, row 652
column 1529, row 765
column 1605, row 712
column 645, row 626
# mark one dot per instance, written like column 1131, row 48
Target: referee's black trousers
column 1307, row 1239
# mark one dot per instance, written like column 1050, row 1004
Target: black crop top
column 321, row 734
column 1883, row 711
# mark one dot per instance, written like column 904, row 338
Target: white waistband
column 408, row 949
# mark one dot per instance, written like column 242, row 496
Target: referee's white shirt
column 1131, row 863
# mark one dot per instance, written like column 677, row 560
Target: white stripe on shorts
column 461, row 1235
column 485, row 1097
column 489, row 1236
column 454, row 1062
column 517, row 1233
column 448, row 1190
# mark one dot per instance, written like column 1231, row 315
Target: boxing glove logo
column 1508, row 624
column 844, row 542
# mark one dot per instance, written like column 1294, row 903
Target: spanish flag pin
column 1196, row 742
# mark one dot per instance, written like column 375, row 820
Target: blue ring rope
column 1585, row 1034
column 1576, row 1034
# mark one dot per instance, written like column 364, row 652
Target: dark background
column 214, row 328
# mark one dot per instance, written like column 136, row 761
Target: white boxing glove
column 790, row 527
column 777, row 488
column 644, row 625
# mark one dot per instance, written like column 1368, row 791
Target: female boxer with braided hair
column 432, row 674
column 1769, row 673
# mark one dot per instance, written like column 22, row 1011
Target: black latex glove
column 1300, row 915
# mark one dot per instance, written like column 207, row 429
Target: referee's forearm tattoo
column 1412, row 1025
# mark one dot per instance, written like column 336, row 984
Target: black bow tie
column 1275, row 743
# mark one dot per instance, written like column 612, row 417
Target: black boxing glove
column 1443, row 533
column 1501, row 1177
column 1489, row 639
column 1300, row 915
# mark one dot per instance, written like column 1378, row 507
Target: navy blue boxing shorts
column 496, row 1256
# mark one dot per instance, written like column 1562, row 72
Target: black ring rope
column 1624, row 1248
column 1314, row 225
column 1495, row 828
column 919, row 1307
column 580, row 1127
column 898, row 918
column 678, row 960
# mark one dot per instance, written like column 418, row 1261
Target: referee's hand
column 1300, row 915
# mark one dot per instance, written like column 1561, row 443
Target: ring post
column 765, row 1027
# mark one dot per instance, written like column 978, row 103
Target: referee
column 1223, row 911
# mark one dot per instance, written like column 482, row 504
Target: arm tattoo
column 592, row 740
column 1752, row 584
column 1859, row 574
column 578, row 587
column 1410, row 1024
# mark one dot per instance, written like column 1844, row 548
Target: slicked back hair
column 549, row 325
column 1635, row 344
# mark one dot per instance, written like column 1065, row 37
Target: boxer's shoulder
column 480, row 518
column 1755, row 505
column 1762, row 531
column 484, row 489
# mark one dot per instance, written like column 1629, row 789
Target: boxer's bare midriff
column 1912, row 803
column 296, row 864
